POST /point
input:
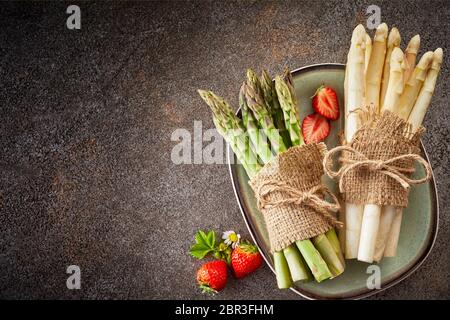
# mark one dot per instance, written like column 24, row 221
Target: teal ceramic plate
column 419, row 226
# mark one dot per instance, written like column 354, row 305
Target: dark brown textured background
column 86, row 121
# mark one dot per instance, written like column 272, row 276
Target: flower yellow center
column 233, row 237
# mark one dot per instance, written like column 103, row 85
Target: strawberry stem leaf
column 205, row 243
column 207, row 289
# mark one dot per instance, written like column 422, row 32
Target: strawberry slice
column 315, row 128
column 325, row 102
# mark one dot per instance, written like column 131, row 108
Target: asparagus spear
column 314, row 260
column 283, row 275
column 367, row 52
column 375, row 67
column 329, row 255
column 256, row 103
column 288, row 103
column 410, row 56
column 255, row 134
column 271, row 99
column 394, row 40
column 394, row 89
column 297, row 267
column 369, row 229
column 334, row 241
column 341, row 214
column 388, row 214
column 355, row 94
column 412, row 87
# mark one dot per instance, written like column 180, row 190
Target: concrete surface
column 86, row 121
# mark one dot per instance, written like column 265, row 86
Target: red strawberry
column 325, row 102
column 315, row 128
column 212, row 276
column 245, row 259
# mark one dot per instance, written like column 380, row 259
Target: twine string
column 291, row 195
column 387, row 167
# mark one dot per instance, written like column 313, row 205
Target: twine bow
column 292, row 195
column 386, row 167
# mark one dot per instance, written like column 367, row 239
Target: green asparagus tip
column 201, row 92
column 242, row 101
column 251, row 74
column 265, row 76
column 253, row 78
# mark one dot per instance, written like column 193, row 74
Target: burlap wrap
column 376, row 166
column 290, row 195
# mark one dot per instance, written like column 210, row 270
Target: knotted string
column 386, row 167
column 291, row 195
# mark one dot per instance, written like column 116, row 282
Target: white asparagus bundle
column 391, row 81
column 354, row 100
column 372, row 213
column 415, row 118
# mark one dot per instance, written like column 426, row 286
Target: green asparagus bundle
column 252, row 139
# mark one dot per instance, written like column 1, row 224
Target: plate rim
column 435, row 225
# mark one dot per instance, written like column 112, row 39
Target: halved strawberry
column 315, row 128
column 325, row 102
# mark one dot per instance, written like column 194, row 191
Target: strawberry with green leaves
column 242, row 257
column 245, row 259
column 212, row 276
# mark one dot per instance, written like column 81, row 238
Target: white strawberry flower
column 231, row 238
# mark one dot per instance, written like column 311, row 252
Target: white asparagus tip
column 359, row 34
column 397, row 60
column 381, row 33
column 425, row 61
column 413, row 45
column 438, row 56
column 394, row 38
